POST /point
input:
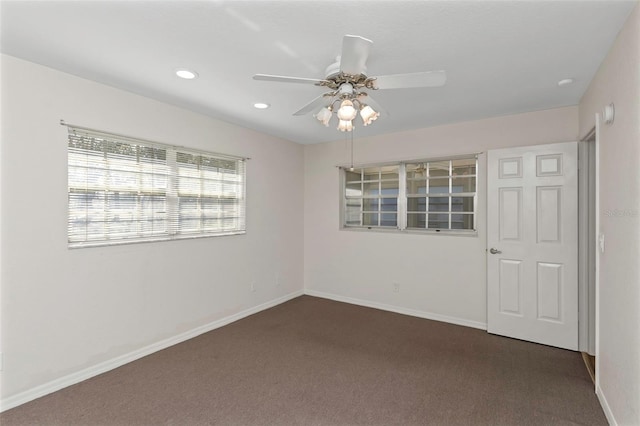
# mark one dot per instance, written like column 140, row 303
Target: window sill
column 454, row 233
column 74, row 246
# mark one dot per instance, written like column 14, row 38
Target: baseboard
column 103, row 367
column 605, row 407
column 398, row 309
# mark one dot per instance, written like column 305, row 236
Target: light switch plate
column 601, row 242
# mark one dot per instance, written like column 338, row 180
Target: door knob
column 494, row 251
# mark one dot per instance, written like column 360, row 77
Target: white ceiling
column 501, row 57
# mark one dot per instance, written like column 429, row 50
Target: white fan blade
column 355, row 51
column 285, row 79
column 314, row 104
column 416, row 79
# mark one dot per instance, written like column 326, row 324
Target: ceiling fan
column 349, row 85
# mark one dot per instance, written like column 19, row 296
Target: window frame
column 167, row 189
column 365, row 179
column 404, row 196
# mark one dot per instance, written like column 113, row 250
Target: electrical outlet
column 277, row 279
column 253, row 286
column 396, row 287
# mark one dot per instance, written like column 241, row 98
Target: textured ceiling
column 501, row 57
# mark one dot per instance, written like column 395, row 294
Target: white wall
column 441, row 277
column 64, row 310
column 618, row 319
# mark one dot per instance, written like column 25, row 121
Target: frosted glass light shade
column 323, row 116
column 345, row 125
column 368, row 115
column 347, row 111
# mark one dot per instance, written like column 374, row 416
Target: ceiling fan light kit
column 349, row 84
column 347, row 112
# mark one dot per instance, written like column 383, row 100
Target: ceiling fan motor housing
column 334, row 70
column 346, row 89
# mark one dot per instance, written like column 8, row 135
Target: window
column 436, row 195
column 371, row 197
column 126, row 190
column 441, row 194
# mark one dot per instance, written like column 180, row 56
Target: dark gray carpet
column 312, row 361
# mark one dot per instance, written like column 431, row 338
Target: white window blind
column 124, row 190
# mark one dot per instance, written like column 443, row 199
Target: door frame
column 588, row 323
column 595, row 133
column 587, row 251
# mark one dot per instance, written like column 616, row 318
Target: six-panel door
column 532, row 220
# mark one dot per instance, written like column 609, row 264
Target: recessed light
column 565, row 81
column 186, row 74
column 261, row 105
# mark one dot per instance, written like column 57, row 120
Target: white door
column 532, row 238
